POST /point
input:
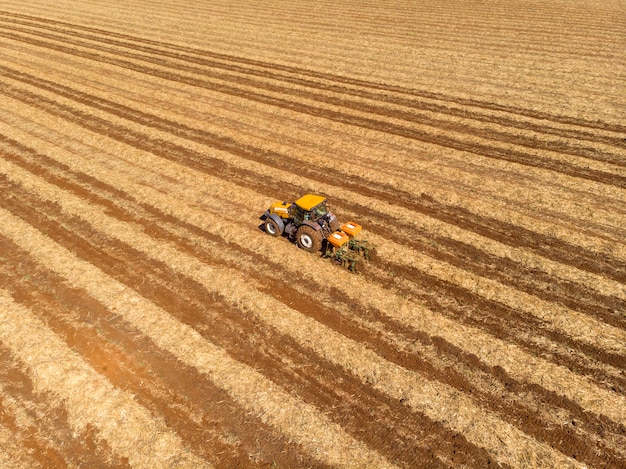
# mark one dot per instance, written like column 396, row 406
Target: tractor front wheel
column 272, row 228
column 309, row 239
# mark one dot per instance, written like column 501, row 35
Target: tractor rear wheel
column 272, row 228
column 309, row 239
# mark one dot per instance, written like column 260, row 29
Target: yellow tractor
column 316, row 229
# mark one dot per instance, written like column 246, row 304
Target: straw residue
column 12, row 454
column 89, row 397
column 493, row 351
column 299, row 421
column 504, row 441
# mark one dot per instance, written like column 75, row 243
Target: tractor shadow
column 261, row 227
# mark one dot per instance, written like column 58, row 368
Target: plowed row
column 147, row 321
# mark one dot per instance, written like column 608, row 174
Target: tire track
column 402, row 130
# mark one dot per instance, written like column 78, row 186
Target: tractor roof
column 307, row 202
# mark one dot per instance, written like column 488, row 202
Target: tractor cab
column 309, row 207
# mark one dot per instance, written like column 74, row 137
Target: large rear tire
column 272, row 228
column 309, row 239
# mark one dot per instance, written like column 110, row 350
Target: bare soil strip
column 183, row 300
column 39, row 424
column 570, row 257
column 236, row 344
column 586, row 217
column 617, row 358
column 300, row 422
column 21, row 447
column 13, row 454
column 15, row 171
column 523, row 213
column 130, row 430
column 481, row 150
column 334, row 34
column 205, row 417
column 283, row 318
column 507, row 329
column 371, row 416
column 325, row 99
column 493, row 229
column 357, row 333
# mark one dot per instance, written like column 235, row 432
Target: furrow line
column 547, row 246
column 502, row 321
column 303, row 135
column 130, row 430
column 522, row 416
column 215, row 37
column 255, row 15
column 41, row 425
column 481, row 18
column 514, row 331
column 600, row 352
column 283, row 318
column 275, row 355
column 21, row 443
column 301, row 422
column 200, row 413
column 422, row 321
column 153, row 196
column 174, row 173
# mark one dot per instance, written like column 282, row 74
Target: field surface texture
column 147, row 320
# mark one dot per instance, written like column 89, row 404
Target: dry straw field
column 147, row 321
